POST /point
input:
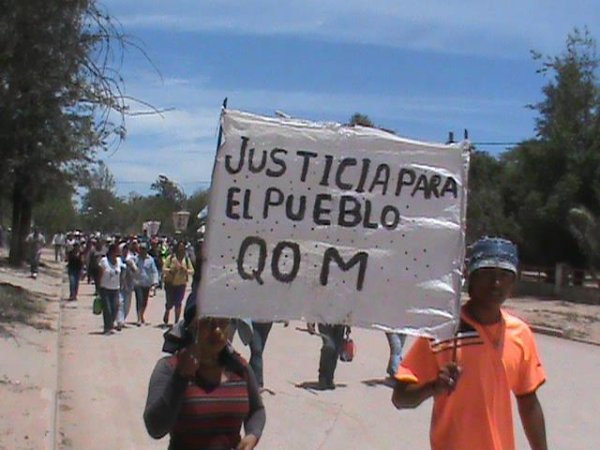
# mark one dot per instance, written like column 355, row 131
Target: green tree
column 100, row 205
column 361, row 119
column 168, row 191
column 586, row 230
column 547, row 176
column 60, row 91
column 486, row 213
column 57, row 212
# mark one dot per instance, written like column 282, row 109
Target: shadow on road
column 314, row 386
column 374, row 382
column 98, row 333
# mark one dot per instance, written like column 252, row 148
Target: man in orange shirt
column 471, row 377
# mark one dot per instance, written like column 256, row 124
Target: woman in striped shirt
column 203, row 393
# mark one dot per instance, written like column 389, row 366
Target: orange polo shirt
column 495, row 360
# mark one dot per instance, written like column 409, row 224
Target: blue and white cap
column 493, row 252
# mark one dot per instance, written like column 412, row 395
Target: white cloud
column 182, row 144
column 192, row 124
column 468, row 26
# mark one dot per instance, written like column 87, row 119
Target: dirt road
column 28, row 363
column 103, row 379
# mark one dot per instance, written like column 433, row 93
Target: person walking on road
column 333, row 338
column 260, row 333
column 471, row 376
column 158, row 259
column 177, row 271
column 59, row 241
column 396, row 343
column 96, row 253
column 203, row 393
column 109, row 276
column 128, row 271
column 36, row 241
column 146, row 278
column 74, row 268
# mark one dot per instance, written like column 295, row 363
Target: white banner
column 334, row 224
column 180, row 220
column 151, row 226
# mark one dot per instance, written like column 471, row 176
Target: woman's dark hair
column 233, row 361
column 112, row 248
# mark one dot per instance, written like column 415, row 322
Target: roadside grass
column 19, row 306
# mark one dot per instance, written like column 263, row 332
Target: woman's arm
column 255, row 422
column 189, row 267
column 165, row 395
column 154, row 273
column 101, row 269
column 132, row 265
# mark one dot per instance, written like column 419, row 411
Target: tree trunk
column 15, row 257
column 22, row 209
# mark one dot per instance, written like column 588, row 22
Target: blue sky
column 420, row 70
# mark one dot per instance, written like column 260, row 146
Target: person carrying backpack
column 177, row 271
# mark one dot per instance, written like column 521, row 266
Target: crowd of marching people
column 203, row 370
column 127, row 269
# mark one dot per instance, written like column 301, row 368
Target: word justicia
column 344, row 173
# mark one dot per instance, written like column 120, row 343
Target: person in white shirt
column 146, row 278
column 109, row 276
column 58, row 240
column 36, row 241
column 128, row 271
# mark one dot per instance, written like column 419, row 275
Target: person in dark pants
column 109, row 276
column 260, row 334
column 95, row 255
column 36, row 243
column 333, row 338
column 145, row 279
column 158, row 260
column 74, row 267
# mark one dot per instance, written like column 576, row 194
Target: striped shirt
column 211, row 418
column 202, row 417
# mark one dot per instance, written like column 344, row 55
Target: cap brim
column 492, row 263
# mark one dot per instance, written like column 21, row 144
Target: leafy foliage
column 586, row 230
column 168, row 191
column 486, row 215
column 57, row 212
column 61, row 98
column 362, row 120
column 547, row 176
